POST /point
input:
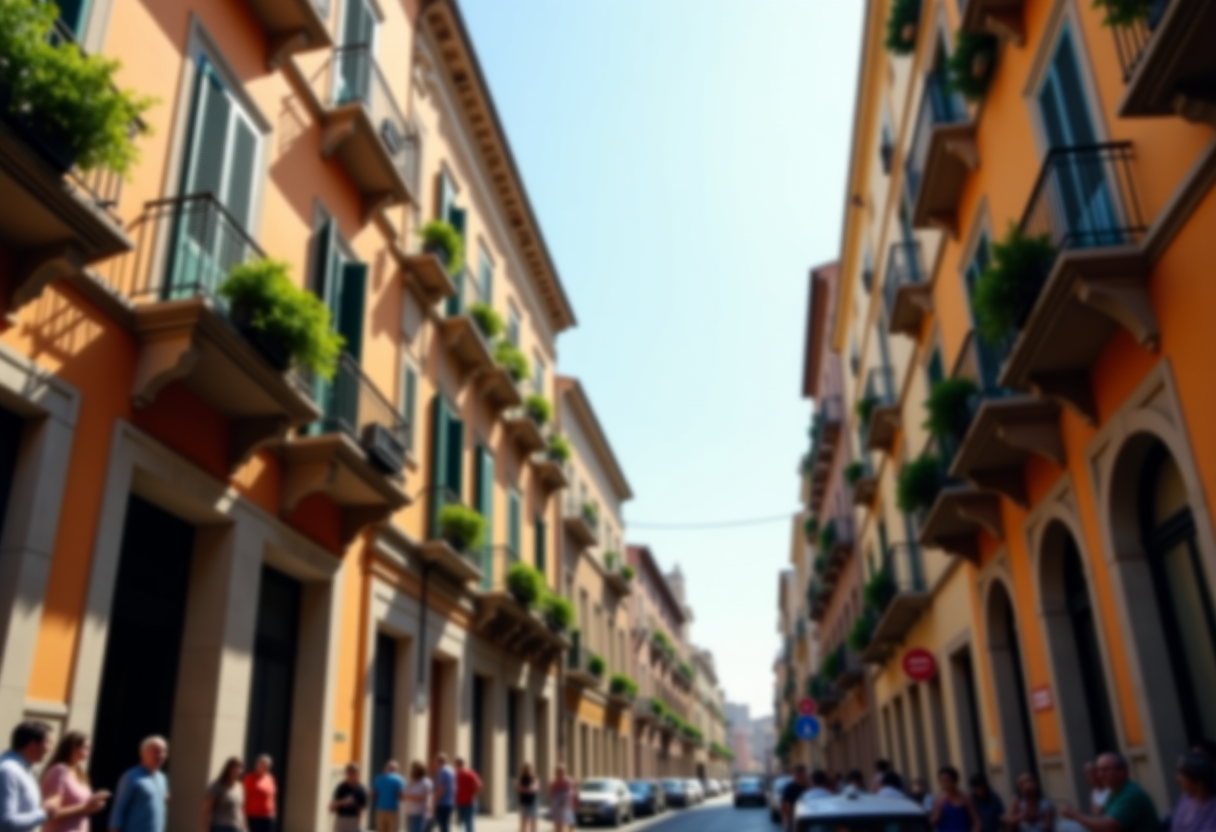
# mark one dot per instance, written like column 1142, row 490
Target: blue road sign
column 807, row 727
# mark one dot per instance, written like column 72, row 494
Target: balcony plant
column 282, row 321
column 1125, row 12
column 513, row 359
column 902, row 24
column 558, row 612
column 444, row 241
column 879, row 591
column 949, row 408
column 919, row 484
column 865, row 407
column 1007, row 289
column 526, row 584
column 811, row 528
column 621, row 685
column 559, row 449
column 462, row 527
column 862, row 631
column 610, row 560
column 591, row 512
column 488, row 321
column 627, row 572
column 596, row 666
column 827, row 537
column 686, row 670
column 63, row 102
column 538, row 409
column 854, row 471
column 661, row 640
column 969, row 67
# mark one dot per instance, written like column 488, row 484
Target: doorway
column 384, row 698
column 477, row 726
column 962, row 678
column 12, row 428
column 1009, row 679
column 513, row 746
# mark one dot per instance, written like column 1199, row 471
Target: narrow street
column 714, row 815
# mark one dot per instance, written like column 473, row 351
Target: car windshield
column 639, row 787
column 749, row 783
column 597, row 786
column 863, row 825
column 673, row 784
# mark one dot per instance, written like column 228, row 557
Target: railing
column 184, row 246
column 901, row 563
column 1132, row 39
column 905, row 267
column 468, row 293
column 938, row 106
column 582, row 508
column 351, row 403
column 350, row 76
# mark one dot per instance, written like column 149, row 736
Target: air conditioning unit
column 384, row 450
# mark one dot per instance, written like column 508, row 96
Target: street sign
column 1041, row 700
column 919, row 665
column 807, row 727
column 807, row 706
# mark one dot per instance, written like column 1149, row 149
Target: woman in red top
column 260, row 796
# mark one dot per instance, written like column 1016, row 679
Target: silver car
column 604, row 800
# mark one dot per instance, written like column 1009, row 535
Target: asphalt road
column 715, row 815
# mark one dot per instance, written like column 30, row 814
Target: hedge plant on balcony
column 558, row 612
column 596, row 666
column 920, row 481
column 526, row 584
column 879, row 591
column 513, row 360
column 591, row 512
column 865, row 408
column 621, row 685
column 487, row 320
column 901, row 27
column 827, row 537
column 462, row 527
column 810, row 528
column 627, row 572
column 1124, row 12
column 949, row 408
column 1007, row 289
column 853, row 472
column 64, row 102
column 970, row 66
column 263, row 296
column 657, row 707
column 687, row 671
column 559, row 449
column 444, row 241
column 663, row 642
column 538, row 409
column 862, row 631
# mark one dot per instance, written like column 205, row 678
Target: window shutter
column 73, row 14
column 542, row 542
column 439, row 459
column 455, row 455
column 409, row 393
column 485, row 506
column 239, row 191
column 210, row 142
column 350, row 312
column 513, row 530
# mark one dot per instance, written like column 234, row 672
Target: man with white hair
column 143, row 791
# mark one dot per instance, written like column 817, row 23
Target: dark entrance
column 1085, row 638
column 968, row 709
column 384, row 695
column 274, row 670
column 12, row 427
column 513, row 752
column 139, row 675
column 478, row 725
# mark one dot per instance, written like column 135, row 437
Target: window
column 447, row 446
column 484, row 504
column 991, row 357
column 538, row 373
column 513, row 324
column 355, row 56
column 485, row 276
column 541, row 542
column 513, row 524
column 867, row 268
column 74, row 14
column 935, row 369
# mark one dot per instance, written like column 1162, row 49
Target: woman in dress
column 562, row 796
column 418, row 798
column 224, row 801
column 67, row 779
column 952, row 809
column 526, row 789
column 1030, row 811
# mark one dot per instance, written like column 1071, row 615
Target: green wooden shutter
column 485, row 505
column 409, row 393
column 487, row 280
column 454, row 479
column 542, row 544
column 439, row 460
column 238, row 192
column 350, row 311
column 456, row 303
column 513, row 530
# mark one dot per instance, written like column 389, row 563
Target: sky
column 686, row 160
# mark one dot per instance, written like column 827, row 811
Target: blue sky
column 687, row 160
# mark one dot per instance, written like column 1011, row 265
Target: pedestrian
column 792, row 793
column 1029, row 811
column 881, row 767
column 1196, row 809
column 224, row 803
column 893, row 787
column 350, row 799
column 563, row 794
column 468, row 786
column 418, row 798
column 261, row 794
column 67, row 781
column 856, row 780
column 1098, row 793
column 919, row 793
column 527, row 789
column 388, row 789
column 952, row 810
column 820, row 787
column 143, row 791
column 22, row 806
column 1128, row 805
column 988, row 804
column 445, row 793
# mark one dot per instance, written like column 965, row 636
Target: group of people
column 422, row 800
column 1116, row 802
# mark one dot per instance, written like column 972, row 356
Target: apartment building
column 599, row 689
column 715, row 755
column 1020, row 299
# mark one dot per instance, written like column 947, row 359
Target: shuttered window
column 485, row 506
column 540, row 553
column 513, row 524
column 409, row 403
column 447, row 442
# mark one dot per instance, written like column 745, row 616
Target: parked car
column 675, row 792
column 749, row 791
column 856, row 811
column 695, row 792
column 774, row 796
column 711, row 788
column 648, row 797
column 604, row 800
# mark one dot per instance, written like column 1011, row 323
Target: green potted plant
column 627, row 572
column 854, row 471
column 558, row 612
column 283, row 322
column 591, row 513
column 63, row 102
column 513, row 359
column 444, row 241
column 862, row 632
column 1127, row 12
column 487, row 320
column 1007, row 289
column 538, row 409
column 559, row 449
column 919, row 484
column 526, row 584
column 827, row 537
column 621, row 685
column 902, row 24
column 969, row 67
column 810, row 528
column 865, row 407
column 596, row 666
column 462, row 527
column 949, row 407
column 879, row 590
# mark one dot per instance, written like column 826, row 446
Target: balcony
column 364, row 129
column 881, row 420
column 906, row 289
column 828, row 419
column 842, row 543
column 901, row 599
column 614, row 576
column 1084, row 202
column 184, row 249
column 465, row 566
column 852, row 669
column 943, row 154
column 552, row 471
column 430, row 277
column 578, row 672
column 512, row 627
column 865, row 485
column 461, row 334
column 292, row 26
column 1168, row 62
column 581, row 520
column 526, row 431
column 998, row 17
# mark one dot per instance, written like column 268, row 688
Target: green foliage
column 627, row 572
column 811, row 528
column 512, row 357
column 862, row 632
column 854, row 471
column 919, row 484
column 596, row 666
column 56, row 84
column 558, row 612
column 526, row 584
column 1124, row 12
column 949, row 407
column 658, row 707
column 831, row 666
column 663, row 642
column 687, row 671
column 463, row 527
column 901, row 27
column 294, row 316
column 591, row 512
column 559, row 449
column 610, row 560
column 970, row 66
column 538, row 409
column 865, row 408
column 621, row 685
column 827, row 537
column 879, row 591
column 439, row 234
column 487, row 320
column 1009, row 286
column 821, row 563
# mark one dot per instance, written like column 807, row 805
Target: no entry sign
column 807, row 706
column 919, row 665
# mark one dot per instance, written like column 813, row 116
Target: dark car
column 675, row 792
column 648, row 797
column 749, row 791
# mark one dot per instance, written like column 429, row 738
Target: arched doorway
column 1009, row 678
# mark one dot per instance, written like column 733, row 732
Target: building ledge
column 291, row 26
column 463, row 566
column 518, row 630
column 952, row 157
column 911, row 304
column 1003, row 435
column 551, row 472
column 464, row 340
column 865, row 490
column 998, row 17
column 957, row 516
column 884, row 425
column 524, row 430
column 499, row 388
column 428, row 275
column 1175, row 73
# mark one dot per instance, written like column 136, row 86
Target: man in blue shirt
column 143, row 791
column 445, row 793
column 387, row 791
column 22, row 808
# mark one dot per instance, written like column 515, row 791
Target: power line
column 725, row 524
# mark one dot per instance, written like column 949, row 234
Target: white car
column 604, row 800
column 711, row 787
column 855, row 811
column 696, row 794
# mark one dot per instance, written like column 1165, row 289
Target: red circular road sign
column 807, row 706
column 919, row 665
